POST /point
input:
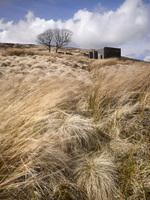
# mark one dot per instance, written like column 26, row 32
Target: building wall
column 112, row 52
column 106, row 52
column 95, row 54
column 91, row 54
column 101, row 54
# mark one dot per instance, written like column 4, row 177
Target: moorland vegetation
column 72, row 128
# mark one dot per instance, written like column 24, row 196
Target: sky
column 95, row 24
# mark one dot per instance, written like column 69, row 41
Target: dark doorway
column 95, row 55
column 91, row 54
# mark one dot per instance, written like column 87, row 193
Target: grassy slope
column 71, row 128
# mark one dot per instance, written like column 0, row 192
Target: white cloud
column 24, row 31
column 127, row 27
column 5, row 25
column 129, row 22
column 147, row 58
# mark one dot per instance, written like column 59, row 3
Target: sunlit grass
column 71, row 128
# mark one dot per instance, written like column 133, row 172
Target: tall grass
column 41, row 127
column 120, row 101
column 67, row 133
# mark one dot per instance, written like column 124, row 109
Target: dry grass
column 11, row 51
column 38, row 109
column 17, row 52
column 74, row 134
column 96, row 173
column 69, row 133
column 120, row 101
column 121, row 91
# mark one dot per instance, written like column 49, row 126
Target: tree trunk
column 57, row 49
column 49, row 49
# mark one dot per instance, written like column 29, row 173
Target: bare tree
column 61, row 37
column 46, row 38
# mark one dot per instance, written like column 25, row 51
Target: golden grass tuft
column 96, row 173
column 74, row 134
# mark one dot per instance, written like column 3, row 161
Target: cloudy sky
column 95, row 23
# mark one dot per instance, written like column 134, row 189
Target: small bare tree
column 46, row 38
column 61, row 37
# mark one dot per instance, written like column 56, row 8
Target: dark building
column 106, row 52
column 95, row 54
column 91, row 54
column 109, row 52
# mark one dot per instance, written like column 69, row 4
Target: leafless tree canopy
column 62, row 37
column 58, row 37
column 46, row 38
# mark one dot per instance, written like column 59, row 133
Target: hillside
column 73, row 128
column 41, row 48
